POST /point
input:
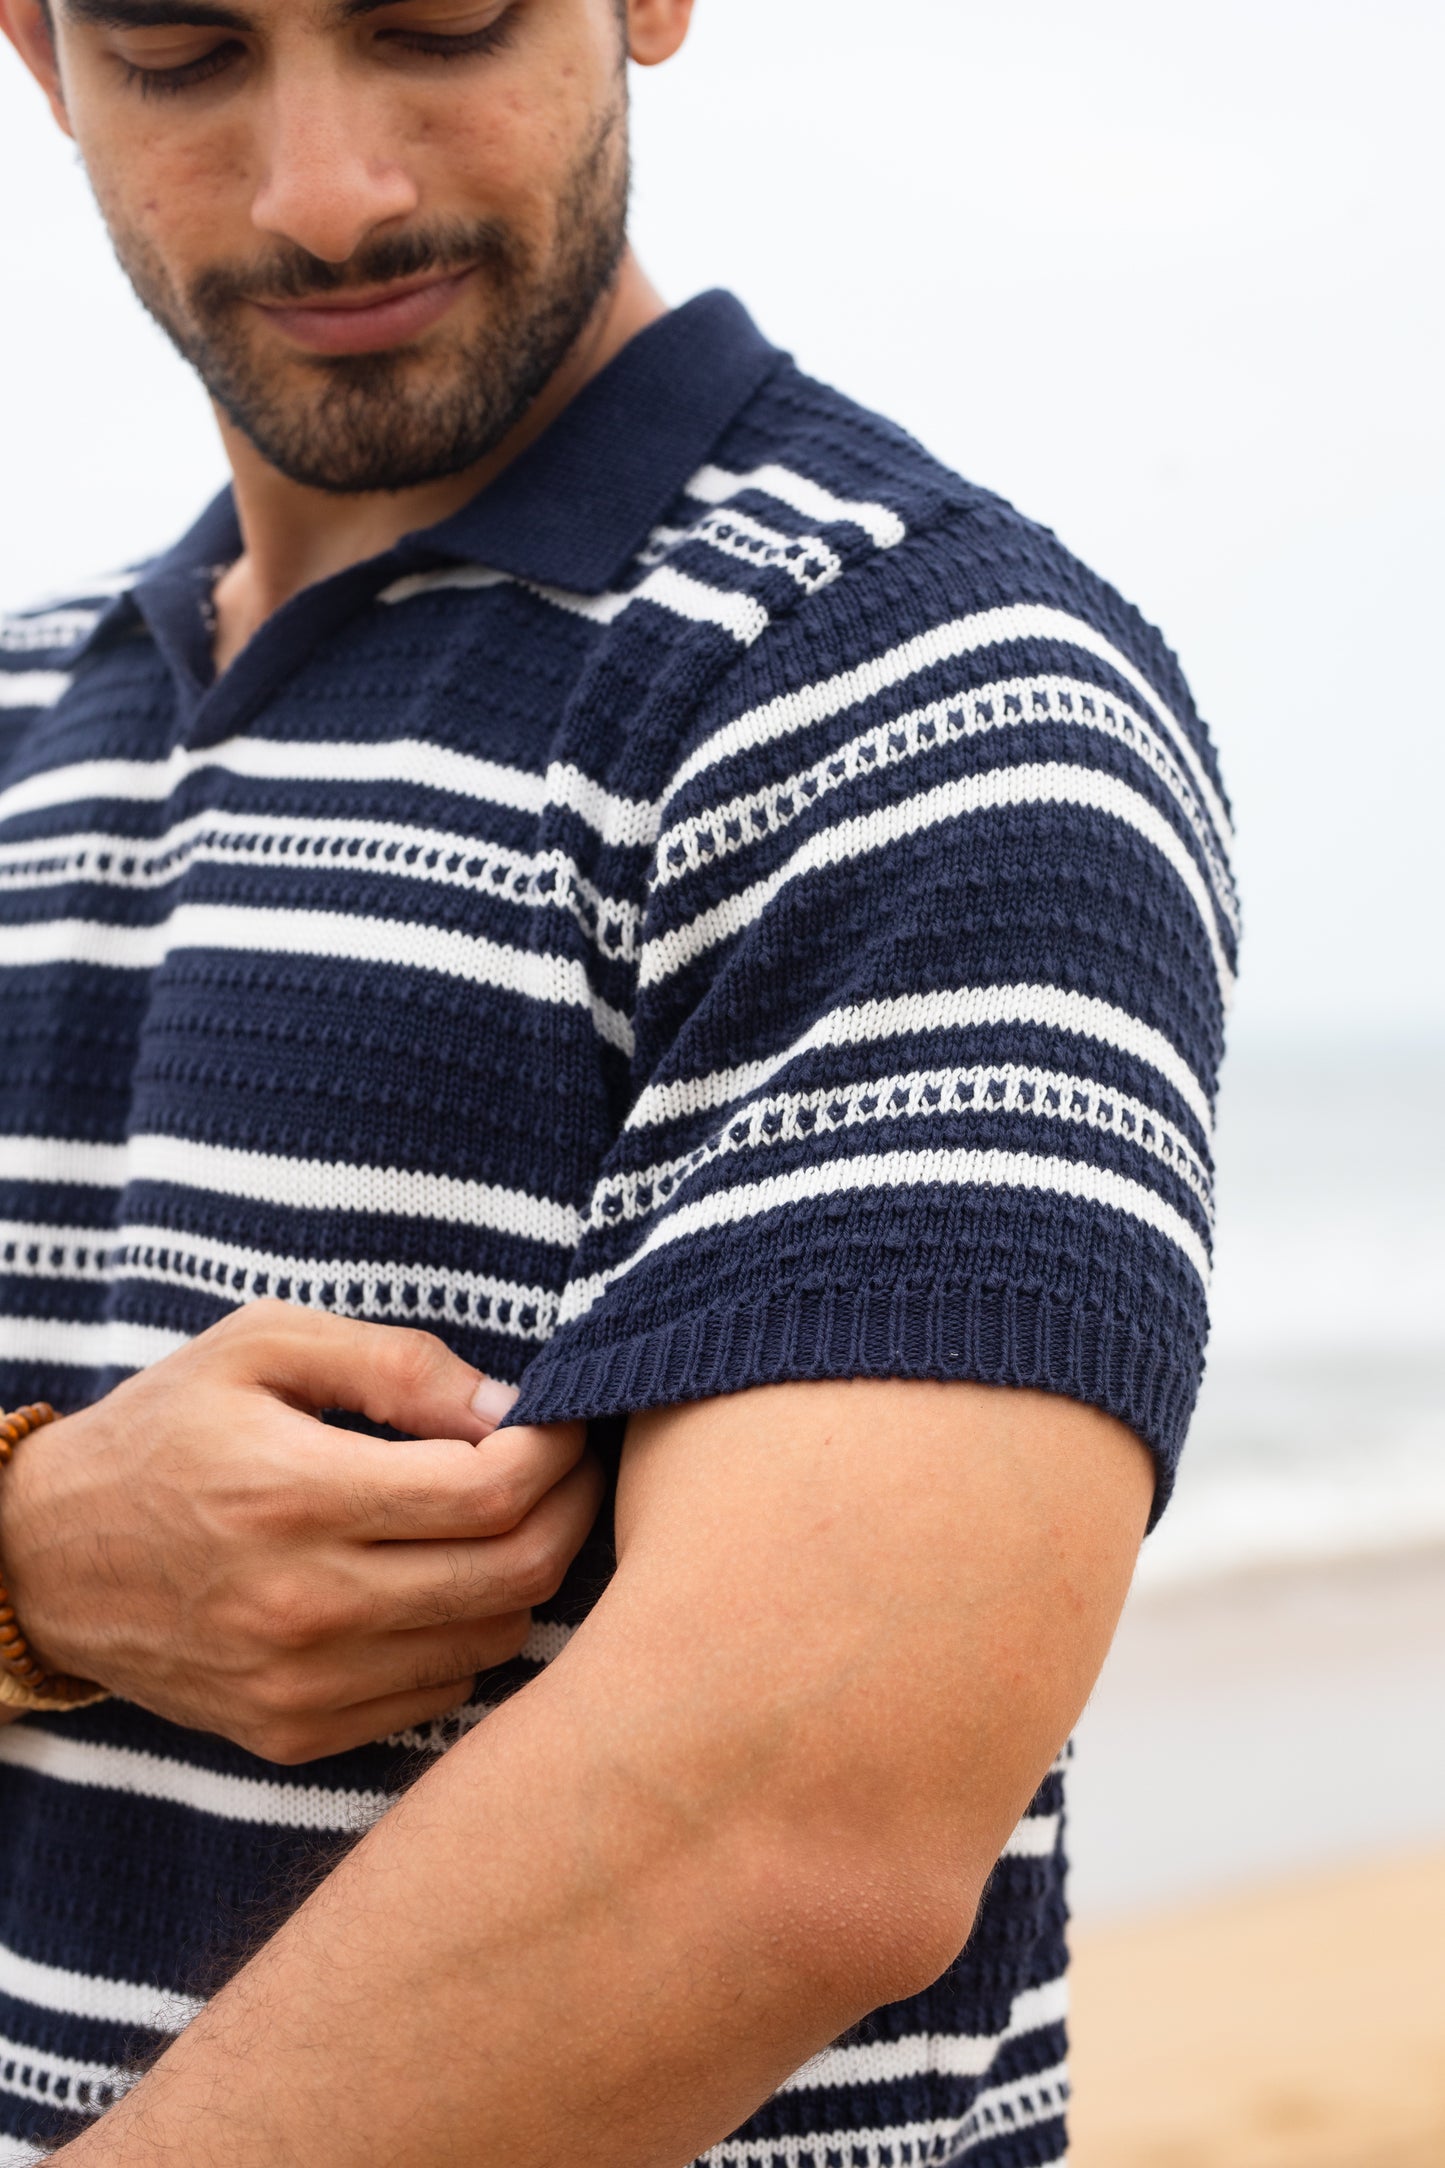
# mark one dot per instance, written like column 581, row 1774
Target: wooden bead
column 51, row 1689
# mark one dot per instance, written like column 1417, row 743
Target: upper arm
column 878, row 1604
column 931, row 982
column 930, row 993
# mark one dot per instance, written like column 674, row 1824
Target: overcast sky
column 1167, row 275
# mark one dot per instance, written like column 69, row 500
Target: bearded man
column 602, row 933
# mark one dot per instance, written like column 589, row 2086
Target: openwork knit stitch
column 736, row 903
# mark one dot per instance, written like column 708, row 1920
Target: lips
column 367, row 323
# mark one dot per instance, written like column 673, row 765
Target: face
column 375, row 230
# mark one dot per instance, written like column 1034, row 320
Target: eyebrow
column 188, row 14
column 155, row 15
column 350, row 10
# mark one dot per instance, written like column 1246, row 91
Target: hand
column 200, row 1543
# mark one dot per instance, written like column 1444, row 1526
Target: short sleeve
column 931, row 982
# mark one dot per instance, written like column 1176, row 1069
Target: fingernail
column 492, row 1399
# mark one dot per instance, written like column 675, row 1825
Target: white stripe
column 335, row 936
column 705, row 838
column 48, row 628
column 319, row 1185
column 30, row 689
column 253, row 1800
column 963, row 1008
column 1022, row 2104
column 806, row 559
column 916, row 2055
column 109, row 1344
column 87, row 1995
column 445, row 579
column 279, row 760
column 1037, row 783
column 1079, row 634
column 534, row 880
column 741, row 615
column 1034, row 1838
column 36, row 2074
column 414, row 761
column 160, row 1257
column 677, row 592
column 621, row 822
column 918, row 1094
column 955, row 1168
column 307, row 1185
column 818, row 703
column 1019, row 2105
column 714, row 485
column 62, row 1159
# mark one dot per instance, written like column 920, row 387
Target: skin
column 324, row 137
column 761, row 1790
column 757, row 1796
column 200, row 1543
column 318, row 139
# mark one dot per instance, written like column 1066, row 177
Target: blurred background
column 1169, row 278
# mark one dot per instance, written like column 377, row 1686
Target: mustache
column 289, row 273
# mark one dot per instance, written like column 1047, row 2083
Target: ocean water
column 1320, row 1431
column 1274, row 1702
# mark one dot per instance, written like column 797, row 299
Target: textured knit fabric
column 735, row 903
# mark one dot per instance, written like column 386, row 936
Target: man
column 596, row 867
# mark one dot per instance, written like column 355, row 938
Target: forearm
column 756, row 1796
column 556, row 1949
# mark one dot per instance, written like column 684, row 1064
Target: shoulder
column 54, row 628
column 909, row 584
column 53, row 631
column 41, row 643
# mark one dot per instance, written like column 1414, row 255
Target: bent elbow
column 874, row 1922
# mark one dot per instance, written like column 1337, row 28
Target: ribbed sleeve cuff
column 990, row 1335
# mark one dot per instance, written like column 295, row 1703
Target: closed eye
column 166, row 82
column 452, row 45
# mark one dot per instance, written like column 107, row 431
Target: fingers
column 524, row 1464
column 379, row 1666
column 293, row 1740
column 412, row 1585
column 391, row 1373
column 437, row 1489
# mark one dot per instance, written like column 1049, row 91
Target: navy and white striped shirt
column 734, row 903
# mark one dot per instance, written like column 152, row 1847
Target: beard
column 391, row 421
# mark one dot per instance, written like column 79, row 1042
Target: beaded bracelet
column 23, row 1684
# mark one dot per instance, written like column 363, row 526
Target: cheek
column 205, row 180
column 187, row 198
column 506, row 158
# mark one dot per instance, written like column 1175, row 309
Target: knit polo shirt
column 734, row 903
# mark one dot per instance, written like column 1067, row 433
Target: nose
column 328, row 180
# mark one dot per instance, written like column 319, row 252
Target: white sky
column 1167, row 275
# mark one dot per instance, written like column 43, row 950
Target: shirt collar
column 575, row 507
column 570, row 511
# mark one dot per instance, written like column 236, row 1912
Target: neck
column 293, row 536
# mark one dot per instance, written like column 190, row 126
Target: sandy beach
column 1301, row 2026
column 1258, row 1836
